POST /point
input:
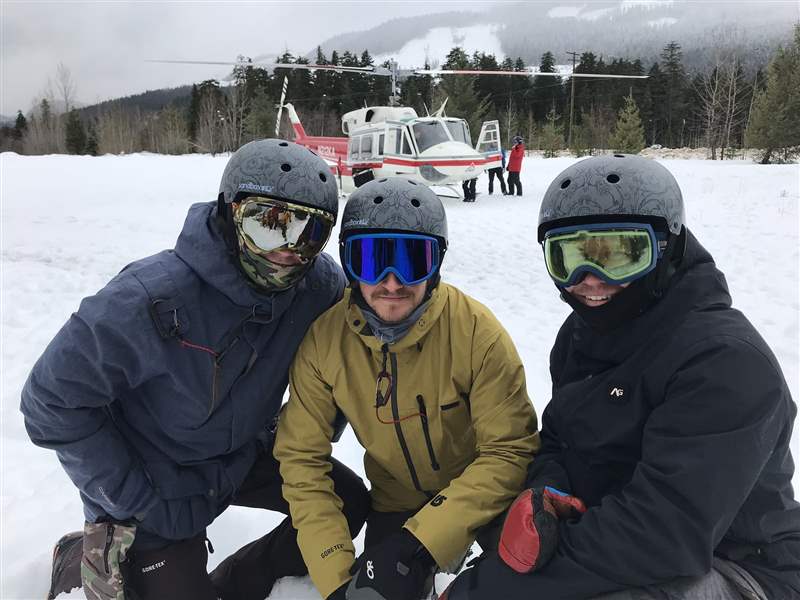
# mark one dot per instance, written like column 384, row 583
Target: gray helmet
column 282, row 170
column 394, row 204
column 607, row 186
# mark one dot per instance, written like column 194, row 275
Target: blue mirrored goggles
column 617, row 253
column 413, row 258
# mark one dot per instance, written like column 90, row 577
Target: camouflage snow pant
column 105, row 546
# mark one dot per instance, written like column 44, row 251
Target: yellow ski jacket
column 453, row 432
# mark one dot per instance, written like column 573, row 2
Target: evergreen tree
column 654, row 116
column 75, row 134
column 775, row 121
column 546, row 92
column 91, row 141
column 675, row 91
column 20, row 126
column 193, row 114
column 552, row 135
column 495, row 87
column 463, row 101
column 628, row 136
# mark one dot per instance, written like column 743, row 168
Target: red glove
column 530, row 531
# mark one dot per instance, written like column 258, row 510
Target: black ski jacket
column 675, row 431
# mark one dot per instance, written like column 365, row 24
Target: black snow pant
column 497, row 172
column 468, row 186
column 514, row 182
column 491, row 579
column 177, row 571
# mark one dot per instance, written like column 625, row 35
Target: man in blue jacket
column 665, row 470
column 160, row 395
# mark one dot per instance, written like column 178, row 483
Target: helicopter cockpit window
column 380, row 145
column 354, row 141
column 458, row 130
column 429, row 133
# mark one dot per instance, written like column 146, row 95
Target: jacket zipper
column 423, row 416
column 396, row 418
column 109, row 540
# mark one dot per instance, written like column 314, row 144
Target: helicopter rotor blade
column 275, row 65
column 526, row 73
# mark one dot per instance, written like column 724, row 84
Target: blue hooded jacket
column 156, row 392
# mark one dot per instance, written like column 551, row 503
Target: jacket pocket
column 423, row 416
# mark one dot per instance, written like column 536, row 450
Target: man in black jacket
column 665, row 469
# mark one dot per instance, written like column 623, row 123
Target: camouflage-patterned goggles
column 265, row 225
column 615, row 252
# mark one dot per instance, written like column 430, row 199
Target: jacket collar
column 201, row 246
column 358, row 323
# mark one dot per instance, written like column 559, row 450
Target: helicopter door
column 489, row 144
column 402, row 162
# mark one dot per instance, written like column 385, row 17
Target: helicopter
column 394, row 141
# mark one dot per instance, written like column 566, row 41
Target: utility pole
column 571, row 99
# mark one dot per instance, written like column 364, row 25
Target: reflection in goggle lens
column 615, row 255
column 266, row 225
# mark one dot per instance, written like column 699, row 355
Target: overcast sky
column 105, row 44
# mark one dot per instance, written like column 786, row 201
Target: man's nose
column 392, row 283
column 592, row 280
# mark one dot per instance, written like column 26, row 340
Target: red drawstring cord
column 186, row 344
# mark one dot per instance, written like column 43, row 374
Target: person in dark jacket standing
column 665, row 469
column 160, row 395
column 498, row 172
column 515, row 166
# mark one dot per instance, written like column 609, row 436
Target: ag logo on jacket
column 439, row 500
column 617, row 393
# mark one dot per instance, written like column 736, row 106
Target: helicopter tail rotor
column 280, row 107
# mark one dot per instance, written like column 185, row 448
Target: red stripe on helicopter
column 420, row 162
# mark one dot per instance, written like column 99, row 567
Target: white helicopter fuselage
column 386, row 141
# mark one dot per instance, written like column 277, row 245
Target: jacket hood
column 201, row 246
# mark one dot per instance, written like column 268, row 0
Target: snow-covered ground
column 70, row 223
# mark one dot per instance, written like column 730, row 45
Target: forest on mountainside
column 716, row 108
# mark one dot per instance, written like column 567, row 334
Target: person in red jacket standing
column 515, row 165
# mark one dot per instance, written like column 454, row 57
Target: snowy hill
column 69, row 238
column 621, row 28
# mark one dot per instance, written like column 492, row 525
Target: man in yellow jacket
column 435, row 391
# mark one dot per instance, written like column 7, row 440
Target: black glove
column 399, row 568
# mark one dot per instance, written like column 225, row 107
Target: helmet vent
column 323, row 177
column 565, row 183
column 283, row 144
column 384, row 180
column 612, row 178
column 286, row 167
column 619, row 156
column 378, row 199
column 415, row 203
column 412, row 182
